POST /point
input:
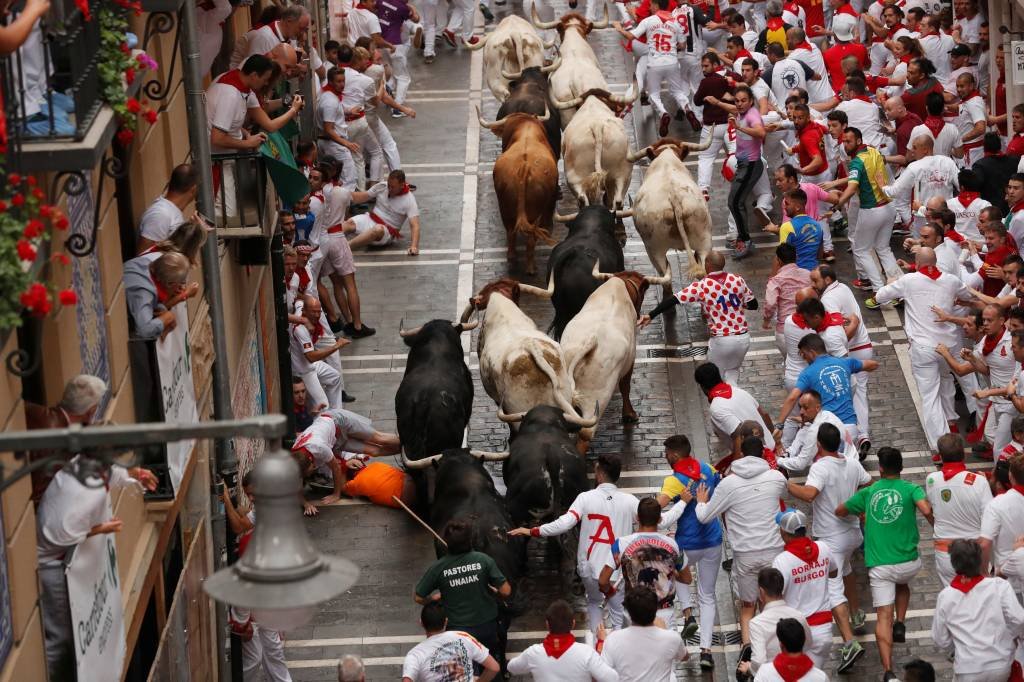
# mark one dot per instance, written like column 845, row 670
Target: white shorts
column 745, row 566
column 884, row 580
column 842, row 547
column 364, row 223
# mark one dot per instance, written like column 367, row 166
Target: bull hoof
column 630, row 419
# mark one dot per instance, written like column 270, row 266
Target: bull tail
column 586, row 349
column 523, row 224
column 558, row 388
column 519, row 53
column 687, row 219
column 593, row 185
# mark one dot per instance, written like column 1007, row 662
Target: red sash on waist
column 354, row 117
column 395, row 234
column 335, row 229
column 819, row 618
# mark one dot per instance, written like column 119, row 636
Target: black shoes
column 362, row 332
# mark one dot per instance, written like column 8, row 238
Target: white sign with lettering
column 179, row 396
column 1017, row 50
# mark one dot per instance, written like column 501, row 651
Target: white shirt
column 432, row 659
column 958, row 504
column 160, row 220
column 945, row 143
column 603, row 514
column 949, row 84
column 806, row 583
column 936, row 48
column 1016, row 227
column 256, row 41
column 820, row 90
column 804, row 447
column 330, row 110
column 967, row 217
column 226, row 107
column 361, row 22
column 1001, row 365
column 839, row 298
column 980, row 625
column 970, row 29
column 210, row 23
column 336, row 202
column 359, row 88
column 919, row 293
column 787, row 74
column 1002, row 522
column 663, row 37
column 835, row 343
column 34, row 67
column 932, row 176
column 947, row 259
column 865, row 117
column 764, row 645
column 393, row 210
column 971, row 112
column 644, row 654
column 836, row 479
column 300, row 343
column 748, row 498
column 579, row 663
column 728, row 413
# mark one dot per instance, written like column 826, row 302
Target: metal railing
column 241, row 207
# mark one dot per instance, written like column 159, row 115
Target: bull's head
column 572, row 20
column 678, row 147
column 515, row 75
column 616, row 103
column 569, row 217
column 410, row 334
column 573, row 420
column 636, row 283
column 510, row 289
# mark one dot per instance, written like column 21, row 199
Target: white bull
column 513, row 46
column 669, row 210
column 599, row 344
column 580, row 70
column 595, row 149
column 520, row 366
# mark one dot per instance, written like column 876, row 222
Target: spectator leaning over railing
column 153, row 289
column 165, row 214
column 187, row 240
column 263, row 37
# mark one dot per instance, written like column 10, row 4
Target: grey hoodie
column 748, row 498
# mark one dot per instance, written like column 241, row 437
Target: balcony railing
column 242, row 203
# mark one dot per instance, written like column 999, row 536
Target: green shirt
column 463, row 581
column 890, row 525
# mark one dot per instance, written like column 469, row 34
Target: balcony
column 242, row 203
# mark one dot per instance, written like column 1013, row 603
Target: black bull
column 591, row 238
column 529, row 95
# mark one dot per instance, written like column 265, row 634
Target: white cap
column 843, row 26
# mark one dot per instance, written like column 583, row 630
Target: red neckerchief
column 315, row 334
column 556, row 645
column 722, row 390
column 769, row 456
column 234, row 79
column 328, row 88
column 688, row 466
column 935, row 124
column 972, row 95
column 965, row 584
column 800, row 322
column 304, row 278
column 744, row 53
column 791, row 667
column 894, row 29
column 951, row 469
column 665, row 17
column 1018, row 206
column 804, row 549
column 718, row 275
column 954, row 236
column 929, row 271
column 405, row 190
column 162, row 294
column 988, row 344
column 804, row 45
column 906, row 59
column 831, row 320
column 775, row 23
column 966, row 197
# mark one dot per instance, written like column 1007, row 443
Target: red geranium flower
column 67, row 297
column 133, row 105
column 26, row 251
column 14, row 179
column 60, row 258
column 38, row 193
column 33, row 229
column 31, row 180
column 18, row 200
column 129, row 75
column 3, row 206
column 83, row 7
column 61, row 223
column 125, row 137
column 45, row 211
column 151, row 116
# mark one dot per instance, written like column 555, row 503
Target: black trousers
column 747, row 174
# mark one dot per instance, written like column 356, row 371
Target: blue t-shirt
column 303, row 226
column 805, row 234
column 691, row 533
column 831, row 377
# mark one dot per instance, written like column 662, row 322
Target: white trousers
column 820, row 646
column 595, row 602
column 842, row 547
column 332, row 150
column 870, row 239
column 323, row 385
column 728, row 352
column 934, row 381
column 333, row 360
column 944, row 568
column 720, row 138
column 369, row 149
column 665, row 73
column 461, row 20
column 432, row 20
column 690, row 73
column 388, row 146
column 860, row 392
column 1003, row 413
column 400, row 70
column 264, row 648
column 707, row 561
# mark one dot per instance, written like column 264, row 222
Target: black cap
column 960, row 50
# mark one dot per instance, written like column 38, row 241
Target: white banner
column 1017, row 63
column 179, row 395
column 94, row 594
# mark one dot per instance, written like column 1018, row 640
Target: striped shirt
column 867, row 169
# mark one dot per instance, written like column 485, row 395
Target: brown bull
column 526, row 182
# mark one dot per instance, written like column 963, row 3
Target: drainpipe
column 224, row 461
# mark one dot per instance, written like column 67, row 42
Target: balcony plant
column 119, row 66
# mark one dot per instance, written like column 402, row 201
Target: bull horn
column 596, row 272
column 485, row 124
column 485, row 456
column 513, row 418
column 537, row 20
column 581, row 421
column 467, row 326
column 547, row 114
column 511, row 75
column 467, row 312
column 537, row 291
column 604, row 22
column 416, row 464
column 553, row 66
column 701, row 146
column 664, row 279
column 633, row 157
column 628, row 213
column 567, row 218
column 480, row 43
column 629, row 97
column 548, row 44
column 406, row 333
column 568, row 104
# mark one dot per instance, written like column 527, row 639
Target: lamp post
column 281, row 577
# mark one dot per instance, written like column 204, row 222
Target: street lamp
column 280, row 577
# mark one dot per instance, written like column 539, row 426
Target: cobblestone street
column 447, row 154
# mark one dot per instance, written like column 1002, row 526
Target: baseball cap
column 960, row 50
column 791, row 520
column 842, row 27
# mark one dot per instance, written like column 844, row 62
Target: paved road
column 449, row 157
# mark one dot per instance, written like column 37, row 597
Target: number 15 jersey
column 723, row 297
column 663, row 36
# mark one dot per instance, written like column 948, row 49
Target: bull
column 528, row 94
column 520, row 366
column 595, row 148
column 512, row 46
column 580, row 70
column 526, row 182
column 669, row 211
column 591, row 236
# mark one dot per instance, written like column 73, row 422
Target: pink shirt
column 814, row 194
column 780, row 298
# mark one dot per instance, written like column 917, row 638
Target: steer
column 513, row 46
column 543, row 474
column 529, row 95
column 520, row 367
column 526, row 182
column 669, row 211
column 580, row 71
column 595, row 149
column 600, row 343
column 591, row 236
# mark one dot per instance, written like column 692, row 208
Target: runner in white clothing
column 791, row 664
column 804, row 448
column 443, row 652
column 1002, row 522
column 560, row 658
column 602, row 514
column 729, row 406
column 395, row 204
